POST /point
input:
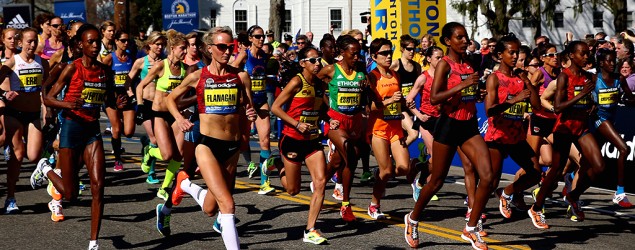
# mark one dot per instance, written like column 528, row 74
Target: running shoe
column 252, row 169
column 504, row 204
column 94, row 247
column 338, row 192
column 313, row 237
column 107, row 131
column 622, row 200
column 7, row 153
column 52, row 191
column 311, row 186
column 518, row 201
column 152, row 179
column 347, row 214
column 574, row 211
column 411, row 231
column 330, row 152
column 10, row 206
column 537, row 218
column 481, row 231
column 56, row 211
column 534, row 195
column 177, row 193
column 163, row 221
column 38, row 177
column 416, row 190
column 82, row 187
column 268, row 165
column 567, row 185
column 217, row 226
column 469, row 213
column 118, row 166
column 474, row 238
column 162, row 194
column 375, row 213
column 145, row 161
column 366, row 177
column 335, row 178
column 266, row 188
column 434, row 197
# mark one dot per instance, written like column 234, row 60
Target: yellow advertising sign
column 392, row 18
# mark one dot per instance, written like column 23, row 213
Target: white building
column 318, row 15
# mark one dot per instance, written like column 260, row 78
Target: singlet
column 606, row 98
column 121, row 70
column 427, row 107
column 407, row 78
column 390, row 117
column 304, row 107
column 345, row 91
column 547, row 79
column 462, row 105
column 91, row 86
column 168, row 82
column 48, row 51
column 507, row 127
column 145, row 68
column 256, row 68
column 27, row 77
column 217, row 94
column 574, row 120
column 103, row 52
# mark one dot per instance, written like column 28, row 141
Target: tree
column 276, row 18
column 617, row 7
column 147, row 14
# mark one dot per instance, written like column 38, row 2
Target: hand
column 588, row 87
column 140, row 115
column 250, row 112
column 10, row 95
column 334, row 124
column 569, row 36
column 524, row 94
column 411, row 104
column 422, row 117
column 77, row 104
column 122, row 100
column 303, row 127
column 185, row 125
column 396, row 97
column 471, row 80
column 624, row 35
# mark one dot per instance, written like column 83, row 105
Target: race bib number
column 120, row 79
column 173, row 82
column 582, row 103
column 258, row 83
column 348, row 99
column 516, row 111
column 94, row 94
column 470, row 93
column 311, row 117
column 406, row 88
column 30, row 80
column 608, row 97
column 220, row 98
column 392, row 111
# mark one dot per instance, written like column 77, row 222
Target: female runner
column 222, row 97
column 455, row 88
column 168, row 74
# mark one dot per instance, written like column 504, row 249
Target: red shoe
column 347, row 214
column 474, row 238
column 177, row 193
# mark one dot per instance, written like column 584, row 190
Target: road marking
column 361, row 213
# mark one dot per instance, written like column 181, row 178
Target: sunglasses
column 258, row 36
column 411, row 49
column 550, row 55
column 302, row 43
column 533, row 65
column 223, row 47
column 124, row 40
column 312, row 60
column 385, row 52
column 56, row 25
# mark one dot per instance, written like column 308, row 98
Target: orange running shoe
column 537, row 218
column 52, row 191
column 411, row 231
column 177, row 193
column 503, row 204
column 56, row 212
column 474, row 238
column 347, row 214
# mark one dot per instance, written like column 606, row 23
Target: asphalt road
column 276, row 221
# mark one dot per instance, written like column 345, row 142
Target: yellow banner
column 392, row 18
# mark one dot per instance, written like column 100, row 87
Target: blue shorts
column 195, row 134
column 77, row 135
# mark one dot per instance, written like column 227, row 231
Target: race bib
column 257, row 83
column 173, row 82
column 221, row 98
column 516, row 111
column 30, row 80
column 348, row 100
column 392, row 111
column 608, row 96
column 94, row 94
column 406, row 88
column 311, row 117
column 582, row 103
column 120, row 79
column 470, row 93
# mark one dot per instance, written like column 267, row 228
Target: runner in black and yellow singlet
column 169, row 137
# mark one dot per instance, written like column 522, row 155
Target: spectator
column 288, row 39
column 626, row 70
column 624, row 49
column 600, row 36
column 301, row 42
column 484, row 46
column 309, row 36
column 271, row 40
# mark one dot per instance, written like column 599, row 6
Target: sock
column 620, row 190
column 246, row 155
column 307, row 231
column 156, row 153
column 46, row 169
column 170, row 172
column 504, row 194
column 411, row 220
column 264, row 172
column 195, row 191
column 153, row 145
column 419, row 183
column 56, row 202
column 92, row 244
column 166, row 209
column 152, row 163
column 228, row 231
column 468, row 228
column 339, row 186
column 116, row 148
column 372, row 204
column 346, row 203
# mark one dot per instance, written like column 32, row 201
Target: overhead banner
column 392, row 18
column 17, row 16
column 71, row 10
column 180, row 15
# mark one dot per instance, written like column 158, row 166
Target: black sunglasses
column 385, row 52
column 124, row 40
column 550, row 55
column 409, row 48
column 223, row 47
column 56, row 25
column 312, row 60
column 258, row 36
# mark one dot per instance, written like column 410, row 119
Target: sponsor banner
column 392, row 18
column 17, row 16
column 71, row 10
column 180, row 15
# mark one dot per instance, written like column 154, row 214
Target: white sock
column 194, row 190
column 468, row 228
column 339, row 186
column 504, row 194
column 229, row 232
column 92, row 243
column 46, row 169
column 56, row 202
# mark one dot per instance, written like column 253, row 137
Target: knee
column 435, row 183
column 115, row 131
column 18, row 152
column 319, row 184
column 600, row 166
column 487, row 179
column 210, row 211
column 622, row 149
column 226, row 205
column 386, row 174
column 293, row 191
